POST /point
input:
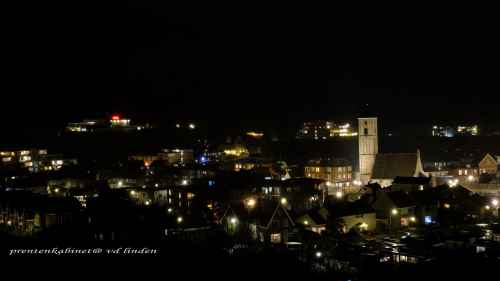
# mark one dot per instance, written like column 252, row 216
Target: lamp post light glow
column 413, row 219
column 364, row 226
column 394, row 212
column 233, row 220
column 179, row 219
column 283, row 201
column 251, row 203
column 339, row 194
column 487, row 207
column 306, row 222
column 494, row 202
column 169, row 210
column 470, row 178
column 132, row 192
column 318, row 254
column 147, row 203
column 452, row 182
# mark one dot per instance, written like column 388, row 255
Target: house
column 389, row 166
column 394, row 208
column 353, row 215
column 270, row 223
column 27, row 213
column 489, row 165
column 313, row 220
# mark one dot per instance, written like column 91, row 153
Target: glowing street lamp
column 339, row 194
column 179, row 219
column 233, row 220
column 494, row 202
column 318, row 254
column 169, row 210
column 413, row 219
column 394, row 212
column 251, row 203
column 283, row 201
column 470, row 178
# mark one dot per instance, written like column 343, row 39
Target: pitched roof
column 344, row 208
column 401, row 199
column 390, row 166
column 412, row 180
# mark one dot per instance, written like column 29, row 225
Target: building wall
column 488, row 165
column 332, row 174
column 368, row 147
column 369, row 219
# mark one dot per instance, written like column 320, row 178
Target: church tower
column 368, row 147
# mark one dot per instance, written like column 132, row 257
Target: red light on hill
column 115, row 117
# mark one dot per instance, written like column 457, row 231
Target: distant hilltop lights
column 190, row 126
column 256, row 135
column 115, row 122
column 449, row 132
column 325, row 129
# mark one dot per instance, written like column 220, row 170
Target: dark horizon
column 165, row 64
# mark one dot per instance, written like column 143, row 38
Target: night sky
column 251, row 66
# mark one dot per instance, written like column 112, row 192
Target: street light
column 319, row 254
column 393, row 213
column 494, row 202
column 179, row 219
column 251, row 203
column 339, row 194
column 233, row 220
column 283, row 201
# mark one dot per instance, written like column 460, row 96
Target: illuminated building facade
column 178, row 157
column 443, row 131
column 325, row 129
column 35, row 160
column 449, row 132
column 368, row 147
column 337, row 173
column 116, row 122
column 468, row 130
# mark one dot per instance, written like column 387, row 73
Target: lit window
column 276, row 238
